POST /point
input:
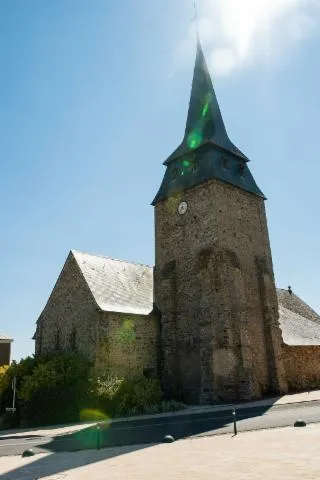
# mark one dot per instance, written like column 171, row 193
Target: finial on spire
column 195, row 19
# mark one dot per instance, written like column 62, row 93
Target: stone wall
column 69, row 320
column 302, row 366
column 128, row 344
column 214, row 286
column 5, row 349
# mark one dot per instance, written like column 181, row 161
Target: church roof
column 206, row 152
column 299, row 323
column 117, row 285
column 204, row 122
column 126, row 287
column 5, row 339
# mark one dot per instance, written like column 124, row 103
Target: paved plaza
column 287, row 453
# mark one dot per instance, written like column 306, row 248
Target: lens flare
column 92, row 415
column 205, row 110
column 126, row 333
column 194, row 139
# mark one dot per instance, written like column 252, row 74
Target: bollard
column 98, row 437
column 168, row 439
column 28, row 453
column 234, row 421
column 300, row 423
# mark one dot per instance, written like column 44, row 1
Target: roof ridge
column 5, row 337
column 112, row 258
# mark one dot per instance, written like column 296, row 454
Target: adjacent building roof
column 299, row 323
column 116, row 285
column 5, row 339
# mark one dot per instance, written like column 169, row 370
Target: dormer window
column 174, row 172
column 194, row 165
column 186, row 166
column 241, row 169
column 225, row 163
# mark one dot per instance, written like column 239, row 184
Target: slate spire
column 204, row 121
column 206, row 152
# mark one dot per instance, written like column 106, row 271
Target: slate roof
column 299, row 323
column 126, row 287
column 116, row 285
column 5, row 339
column 206, row 152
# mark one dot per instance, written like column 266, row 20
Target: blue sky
column 94, row 96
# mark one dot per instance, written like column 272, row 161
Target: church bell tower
column 214, row 281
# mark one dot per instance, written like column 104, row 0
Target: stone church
column 207, row 319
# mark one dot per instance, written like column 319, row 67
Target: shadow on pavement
column 131, row 435
column 15, row 437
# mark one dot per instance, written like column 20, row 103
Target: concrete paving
column 288, row 453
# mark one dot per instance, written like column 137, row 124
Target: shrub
column 19, row 371
column 138, row 394
column 57, row 371
column 9, row 420
column 58, row 389
column 119, row 396
column 3, row 378
column 106, row 387
column 55, row 391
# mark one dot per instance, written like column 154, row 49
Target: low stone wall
column 302, row 366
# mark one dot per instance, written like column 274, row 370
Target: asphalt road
column 134, row 432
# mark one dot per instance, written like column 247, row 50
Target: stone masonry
column 215, row 288
column 69, row 319
column 118, row 343
column 128, row 345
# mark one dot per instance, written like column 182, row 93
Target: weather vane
column 195, row 18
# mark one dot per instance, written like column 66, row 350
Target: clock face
column 182, row 208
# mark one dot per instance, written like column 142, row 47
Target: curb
column 217, row 408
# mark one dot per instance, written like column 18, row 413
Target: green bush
column 119, row 396
column 58, row 389
column 18, row 370
column 138, row 395
column 57, row 371
column 107, row 387
column 55, row 391
column 9, row 420
column 3, row 379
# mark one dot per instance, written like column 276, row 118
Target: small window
column 194, row 165
column 225, row 163
column 174, row 172
column 241, row 169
